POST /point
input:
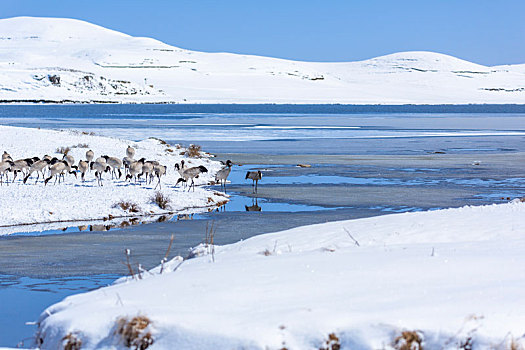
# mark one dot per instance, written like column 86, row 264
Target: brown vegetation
column 127, row 206
column 71, row 342
column 63, row 150
column 194, row 151
column 134, row 333
column 332, row 343
column 161, row 200
column 409, row 340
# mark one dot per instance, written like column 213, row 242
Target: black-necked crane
column 115, row 164
column 147, row 171
column 5, row 167
column 38, row 167
column 57, row 170
column 135, row 169
column 255, row 176
column 21, row 165
column 100, row 166
column 191, row 174
column 126, row 161
column 130, row 152
column 222, row 174
column 6, row 157
column 69, row 159
column 89, row 156
column 83, row 167
column 159, row 171
column 180, row 169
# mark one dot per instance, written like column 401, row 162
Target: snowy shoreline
column 451, row 276
column 75, row 201
column 241, row 103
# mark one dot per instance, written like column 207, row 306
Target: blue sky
column 486, row 32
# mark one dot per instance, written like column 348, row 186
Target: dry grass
column 268, row 252
column 80, row 145
column 63, row 150
column 134, row 333
column 209, row 239
column 332, row 343
column 194, row 151
column 88, row 133
column 161, row 200
column 130, row 207
column 514, row 345
column 161, row 141
column 71, row 342
column 409, row 340
column 466, row 344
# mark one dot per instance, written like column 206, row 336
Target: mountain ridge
column 56, row 59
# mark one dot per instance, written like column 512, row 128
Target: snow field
column 455, row 276
column 74, row 200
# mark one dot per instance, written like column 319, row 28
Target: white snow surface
column 452, row 274
column 98, row 64
column 74, row 200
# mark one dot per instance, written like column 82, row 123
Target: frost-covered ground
column 455, row 275
column 74, row 200
column 57, row 59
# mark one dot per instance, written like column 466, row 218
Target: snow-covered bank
column 74, row 200
column 67, row 60
column 454, row 275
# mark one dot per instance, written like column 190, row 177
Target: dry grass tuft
column 130, row 207
column 332, row 343
column 514, row 345
column 194, row 151
column 71, row 342
column 161, row 141
column 63, row 150
column 466, row 344
column 161, row 200
column 266, row 252
column 80, row 145
column 409, row 340
column 134, row 332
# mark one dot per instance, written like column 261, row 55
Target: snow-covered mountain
column 59, row 60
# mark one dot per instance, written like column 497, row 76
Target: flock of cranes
column 49, row 167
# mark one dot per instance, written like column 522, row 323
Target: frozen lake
column 366, row 160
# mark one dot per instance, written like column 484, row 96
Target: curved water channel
column 360, row 164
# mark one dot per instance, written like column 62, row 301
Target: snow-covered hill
column 445, row 279
column 70, row 60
